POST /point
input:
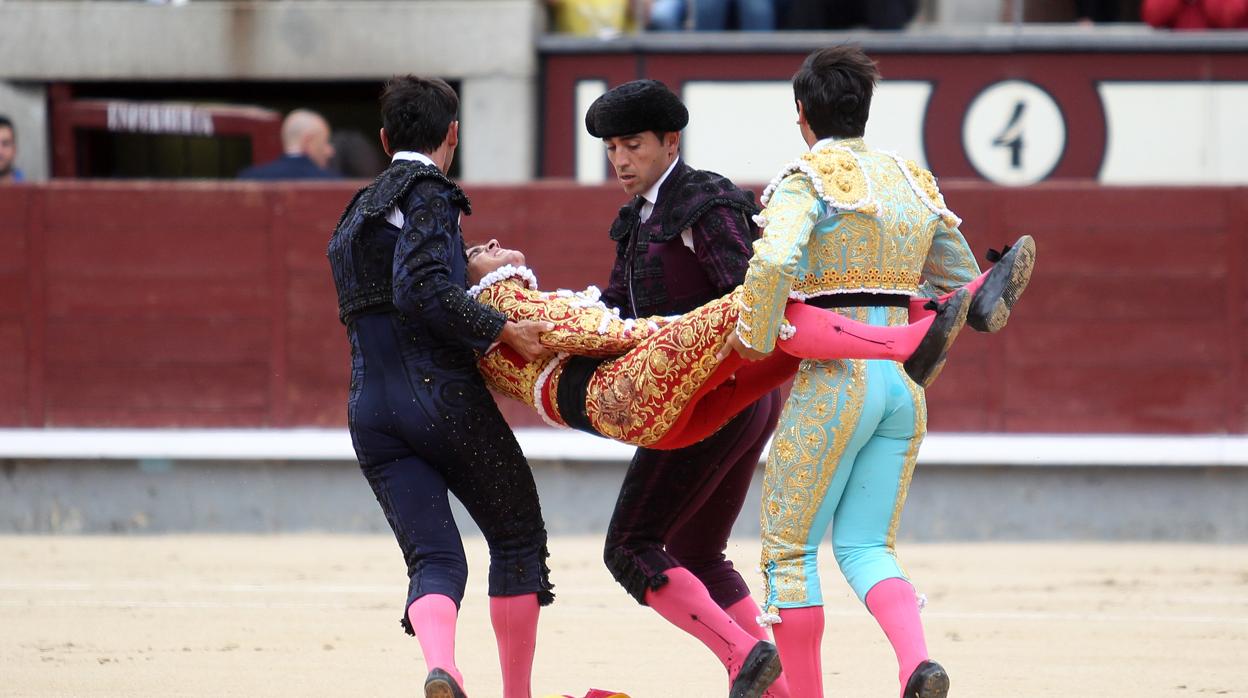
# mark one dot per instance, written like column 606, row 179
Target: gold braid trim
column 855, row 279
column 510, row 374
column 638, row 397
column 923, row 183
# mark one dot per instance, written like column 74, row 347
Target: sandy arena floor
column 312, row 615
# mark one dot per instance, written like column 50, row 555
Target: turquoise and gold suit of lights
column 845, row 219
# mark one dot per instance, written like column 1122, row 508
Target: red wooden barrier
column 210, row 304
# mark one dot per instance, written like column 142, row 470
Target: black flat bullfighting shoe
column 929, row 357
column 760, row 669
column 1006, row 281
column 440, row 684
column 929, row 680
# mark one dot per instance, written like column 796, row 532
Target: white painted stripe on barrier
column 542, row 444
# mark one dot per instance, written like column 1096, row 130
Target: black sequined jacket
column 420, row 272
column 655, row 273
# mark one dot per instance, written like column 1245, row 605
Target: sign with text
column 140, row 117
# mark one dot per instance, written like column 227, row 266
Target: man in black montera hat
column 684, row 239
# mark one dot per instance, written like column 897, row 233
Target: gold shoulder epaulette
column 837, row 177
column 924, row 185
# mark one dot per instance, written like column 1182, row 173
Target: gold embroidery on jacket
column 661, row 376
column 636, row 397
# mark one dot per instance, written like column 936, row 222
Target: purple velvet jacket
column 654, row 272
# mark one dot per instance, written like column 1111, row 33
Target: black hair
column 834, row 86
column 416, row 112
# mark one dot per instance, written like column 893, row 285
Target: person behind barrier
column 8, row 153
column 306, row 147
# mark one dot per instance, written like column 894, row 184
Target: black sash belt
column 570, row 393
column 859, row 300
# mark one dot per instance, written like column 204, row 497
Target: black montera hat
column 634, row 107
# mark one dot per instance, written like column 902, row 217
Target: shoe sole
column 439, row 688
column 934, row 686
column 1024, row 252
column 959, row 321
column 766, row 676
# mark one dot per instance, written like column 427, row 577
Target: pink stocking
column 685, row 603
column 799, row 637
column 433, row 620
column 515, row 628
column 746, row 612
column 918, row 309
column 896, row 609
column 823, row 334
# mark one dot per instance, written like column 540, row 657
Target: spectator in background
column 1097, row 11
column 749, row 15
column 8, row 152
column 849, row 14
column 355, row 156
column 305, row 141
column 666, row 15
column 598, row 18
column 1084, row 12
column 1196, row 14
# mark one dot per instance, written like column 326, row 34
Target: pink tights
column 896, row 609
column 685, row 603
column 433, row 619
column 918, row 304
column 515, row 628
column 514, row 618
column 799, row 636
column 746, row 612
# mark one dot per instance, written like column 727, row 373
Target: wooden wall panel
column 12, row 372
column 14, row 304
column 180, row 341
column 204, row 297
column 205, row 304
column 124, row 395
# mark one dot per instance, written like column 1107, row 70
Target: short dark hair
column 834, row 86
column 6, row 121
column 416, row 112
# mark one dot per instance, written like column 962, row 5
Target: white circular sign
column 1014, row 133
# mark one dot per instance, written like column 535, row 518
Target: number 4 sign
column 1014, row 133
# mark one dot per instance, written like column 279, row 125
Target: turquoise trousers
column 842, row 458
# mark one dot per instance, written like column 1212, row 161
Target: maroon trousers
column 676, row 508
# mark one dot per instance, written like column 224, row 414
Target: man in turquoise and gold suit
column 866, row 233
